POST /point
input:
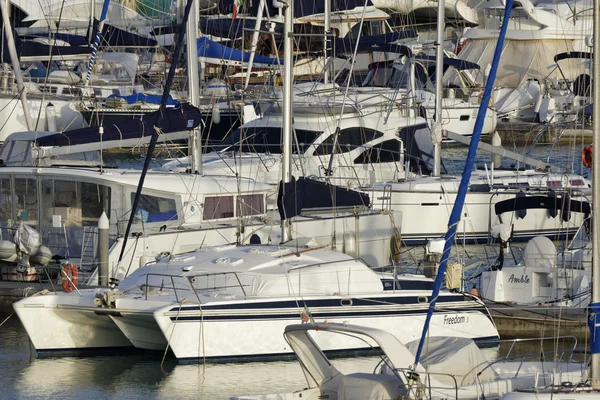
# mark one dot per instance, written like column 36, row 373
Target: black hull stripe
column 483, row 237
column 330, row 302
column 322, row 315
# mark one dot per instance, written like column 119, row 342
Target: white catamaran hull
column 243, row 330
column 68, row 323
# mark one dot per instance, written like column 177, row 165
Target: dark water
column 145, row 376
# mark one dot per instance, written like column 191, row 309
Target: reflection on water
column 141, row 376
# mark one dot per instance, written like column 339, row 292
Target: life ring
column 586, row 156
column 70, row 277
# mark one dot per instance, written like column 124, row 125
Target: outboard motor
column 433, row 255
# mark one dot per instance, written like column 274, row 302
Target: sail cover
column 35, row 51
column 302, row 8
column 177, row 119
column 216, row 51
column 145, row 98
column 234, row 28
column 375, row 43
column 304, row 193
column 116, row 37
column 111, row 36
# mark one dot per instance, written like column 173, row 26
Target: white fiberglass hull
column 68, row 323
column 254, row 328
column 426, row 205
column 13, row 116
column 139, row 325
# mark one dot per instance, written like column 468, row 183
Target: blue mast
column 464, row 182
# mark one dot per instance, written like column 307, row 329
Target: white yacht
column 527, row 88
column 426, row 203
column 197, row 303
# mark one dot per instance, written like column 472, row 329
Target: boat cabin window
column 155, row 209
column 388, row 151
column 250, row 204
column 267, row 140
column 26, row 200
column 395, row 76
column 348, row 140
column 76, row 203
column 216, row 207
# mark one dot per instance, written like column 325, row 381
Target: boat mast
column 158, row 126
column 195, row 138
column 595, row 304
column 327, row 29
column 288, row 77
column 439, row 89
column 466, row 176
column 16, row 65
column 259, row 16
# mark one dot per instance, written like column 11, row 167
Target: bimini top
column 232, row 271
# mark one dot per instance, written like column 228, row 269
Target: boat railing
column 54, row 274
column 556, row 355
column 425, row 384
column 192, row 281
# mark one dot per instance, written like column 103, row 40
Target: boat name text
column 516, row 279
column 457, row 319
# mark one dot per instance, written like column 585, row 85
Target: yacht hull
column 426, row 205
column 141, row 330
column 68, row 324
column 253, row 329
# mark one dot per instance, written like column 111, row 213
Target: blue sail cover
column 305, row 193
column 374, row 43
column 209, row 49
column 110, row 36
column 115, row 37
column 231, row 28
column 302, row 8
column 73, row 40
column 146, row 98
column 178, row 119
column 466, row 177
column 34, row 49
